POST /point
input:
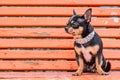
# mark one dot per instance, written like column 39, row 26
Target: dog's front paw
column 76, row 74
column 105, row 74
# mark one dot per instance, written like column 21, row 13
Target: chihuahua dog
column 88, row 45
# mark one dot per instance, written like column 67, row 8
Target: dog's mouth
column 76, row 36
column 75, row 32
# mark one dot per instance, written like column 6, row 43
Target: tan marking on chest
column 78, row 50
column 86, row 54
column 93, row 49
column 86, row 51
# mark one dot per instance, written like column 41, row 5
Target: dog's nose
column 66, row 29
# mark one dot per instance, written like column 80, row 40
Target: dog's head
column 78, row 25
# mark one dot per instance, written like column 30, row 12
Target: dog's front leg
column 80, row 66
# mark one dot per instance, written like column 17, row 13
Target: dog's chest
column 87, row 52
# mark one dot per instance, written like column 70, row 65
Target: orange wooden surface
column 35, row 46
column 45, row 65
column 48, row 21
column 61, row 2
column 56, row 76
column 51, row 33
column 51, row 54
column 49, row 43
column 56, row 11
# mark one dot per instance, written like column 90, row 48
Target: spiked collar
column 86, row 39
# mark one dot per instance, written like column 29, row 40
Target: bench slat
column 50, row 33
column 31, row 40
column 56, row 11
column 56, row 76
column 49, row 43
column 46, row 65
column 51, row 54
column 61, row 3
column 25, row 21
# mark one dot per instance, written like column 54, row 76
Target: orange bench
column 34, row 45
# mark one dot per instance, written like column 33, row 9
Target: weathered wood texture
column 32, row 38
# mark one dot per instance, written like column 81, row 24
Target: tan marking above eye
column 70, row 30
column 80, row 30
column 72, row 21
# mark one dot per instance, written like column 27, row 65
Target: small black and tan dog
column 88, row 45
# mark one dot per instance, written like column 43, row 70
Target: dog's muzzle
column 66, row 29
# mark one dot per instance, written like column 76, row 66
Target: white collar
column 86, row 39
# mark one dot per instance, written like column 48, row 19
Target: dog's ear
column 74, row 12
column 88, row 14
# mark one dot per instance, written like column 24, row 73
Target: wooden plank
column 49, row 43
column 38, row 65
column 108, row 33
column 60, row 3
column 50, row 21
column 114, row 75
column 37, row 54
column 51, row 54
column 46, row 65
column 50, row 33
column 56, row 11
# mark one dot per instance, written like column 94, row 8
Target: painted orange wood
column 49, row 43
column 56, row 21
column 37, row 54
column 51, row 33
column 56, row 11
column 38, row 65
column 42, row 43
column 61, row 2
column 114, row 75
column 56, row 75
column 45, row 65
column 51, row 54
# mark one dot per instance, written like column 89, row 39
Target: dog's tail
column 108, row 66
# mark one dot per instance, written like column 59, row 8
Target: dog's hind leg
column 99, row 62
